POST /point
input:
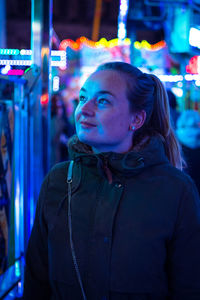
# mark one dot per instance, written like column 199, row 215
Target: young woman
column 119, row 221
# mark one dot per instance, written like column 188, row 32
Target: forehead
column 106, row 79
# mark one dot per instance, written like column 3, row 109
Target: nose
column 88, row 108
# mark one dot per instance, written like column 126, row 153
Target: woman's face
column 102, row 116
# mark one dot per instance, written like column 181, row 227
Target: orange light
column 103, row 43
column 145, row 45
column 45, row 51
column 158, row 45
column 44, row 99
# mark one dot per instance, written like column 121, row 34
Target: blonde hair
column 160, row 120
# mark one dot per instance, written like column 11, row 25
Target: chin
column 84, row 139
column 89, row 142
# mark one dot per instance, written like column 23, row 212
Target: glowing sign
column 58, row 58
column 56, row 81
column 77, row 45
column 194, row 37
column 194, row 65
column 9, row 51
column 15, row 72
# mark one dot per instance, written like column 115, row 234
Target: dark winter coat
column 137, row 238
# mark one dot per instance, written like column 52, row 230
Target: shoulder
column 172, row 181
column 54, row 186
column 179, row 195
column 174, row 174
column 57, row 177
column 178, row 180
column 59, row 166
column 56, row 180
column 58, row 171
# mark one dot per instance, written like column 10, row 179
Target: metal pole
column 97, row 20
column 39, row 117
column 46, row 80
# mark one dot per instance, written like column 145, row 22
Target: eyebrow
column 100, row 93
column 82, row 89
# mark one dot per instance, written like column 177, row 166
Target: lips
column 87, row 124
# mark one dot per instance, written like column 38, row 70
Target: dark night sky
column 71, row 19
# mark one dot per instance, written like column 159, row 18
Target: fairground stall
column 83, row 56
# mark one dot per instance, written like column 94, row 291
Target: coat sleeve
column 36, row 281
column 184, row 248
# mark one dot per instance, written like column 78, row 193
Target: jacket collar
column 126, row 164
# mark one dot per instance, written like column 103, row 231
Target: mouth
column 87, row 125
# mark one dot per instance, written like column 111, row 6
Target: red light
column 44, row 99
column 192, row 68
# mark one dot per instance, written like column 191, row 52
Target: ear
column 138, row 119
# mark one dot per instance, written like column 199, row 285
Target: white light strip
column 170, row 78
column 25, row 52
column 4, row 62
column 58, row 53
column 123, row 8
column 58, row 63
column 176, row 78
column 190, row 77
column 28, row 52
column 123, row 11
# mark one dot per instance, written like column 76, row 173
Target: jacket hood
column 125, row 164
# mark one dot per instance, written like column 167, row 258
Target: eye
column 102, row 101
column 82, row 98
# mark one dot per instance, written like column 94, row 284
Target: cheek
column 110, row 125
column 117, row 121
column 77, row 114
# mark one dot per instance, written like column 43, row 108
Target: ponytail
column 160, row 122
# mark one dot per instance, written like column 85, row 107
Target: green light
column 27, row 70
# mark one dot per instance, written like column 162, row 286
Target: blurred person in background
column 61, row 130
column 188, row 133
column 173, row 108
column 75, row 102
